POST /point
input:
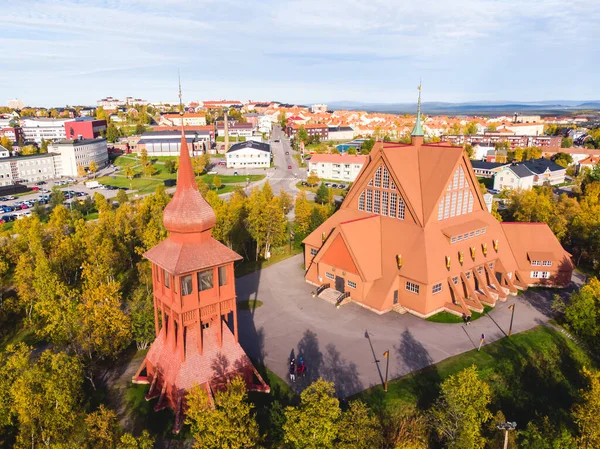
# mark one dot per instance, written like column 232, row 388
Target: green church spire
column 418, row 129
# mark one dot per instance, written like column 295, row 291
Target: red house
column 85, row 128
column 195, row 313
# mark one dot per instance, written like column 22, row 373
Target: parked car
column 8, row 218
column 10, row 198
column 334, row 186
column 327, row 184
column 81, row 194
column 235, row 173
column 289, row 167
column 40, row 183
column 3, row 198
column 287, row 152
column 35, row 188
column 222, row 163
column 44, row 191
column 493, row 191
column 341, row 186
column 212, row 172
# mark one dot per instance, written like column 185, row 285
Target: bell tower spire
column 417, row 132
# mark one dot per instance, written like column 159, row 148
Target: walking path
column 346, row 345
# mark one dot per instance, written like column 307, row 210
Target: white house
column 341, row 133
column 525, row 175
column 32, row 168
column 75, row 153
column 37, row 129
column 339, row 167
column 249, row 154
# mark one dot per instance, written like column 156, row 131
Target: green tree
column 229, row 425
column 470, row 151
column 112, row 133
column 367, row 146
column 583, row 310
column 29, row 149
column 302, row 135
column 313, row 424
column 217, row 183
column 312, row 179
column 352, row 151
column 566, row 142
column 102, row 427
column 492, row 127
column 170, row 166
column 302, row 210
column 128, row 441
column 198, row 164
column 461, row 409
column 46, row 399
column 586, row 413
column 532, row 153
column 142, row 317
column 359, row 428
column 44, row 145
column 322, row 195
column 57, row 197
column 122, row 196
column 543, row 434
column 563, row 159
column 471, row 128
column 6, row 143
column 139, row 129
column 282, row 120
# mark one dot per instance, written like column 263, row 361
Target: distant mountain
column 552, row 107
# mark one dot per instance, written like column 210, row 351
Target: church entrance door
column 339, row 284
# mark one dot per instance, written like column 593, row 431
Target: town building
column 15, row 103
column 316, row 108
column 414, row 234
column 339, row 167
column 311, row 129
column 515, row 141
column 219, row 104
column 188, row 119
column 26, row 169
column 524, row 175
column 166, row 141
column 110, row 103
column 4, row 152
column 13, row 133
column 79, row 153
column 85, row 128
column 484, row 169
column 36, row 129
column 235, row 129
column 340, row 133
column 249, row 154
column 194, row 299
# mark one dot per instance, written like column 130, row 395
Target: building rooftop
column 339, row 158
column 250, row 144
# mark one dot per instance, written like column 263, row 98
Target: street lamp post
column 507, row 427
column 386, row 354
column 512, row 315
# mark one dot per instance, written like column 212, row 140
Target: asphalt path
column 346, row 345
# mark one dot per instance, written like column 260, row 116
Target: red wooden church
column 195, row 311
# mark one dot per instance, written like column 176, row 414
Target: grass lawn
column 141, row 185
column 447, row 317
column 300, row 162
column 230, row 179
column 251, row 304
column 231, row 139
column 277, row 255
column 537, row 372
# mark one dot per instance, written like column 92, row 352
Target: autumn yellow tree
column 93, row 167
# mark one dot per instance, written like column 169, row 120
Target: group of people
column 466, row 318
column 297, row 370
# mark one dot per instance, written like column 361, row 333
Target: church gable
column 376, row 192
column 458, row 197
column 337, row 255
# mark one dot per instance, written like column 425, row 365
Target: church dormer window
column 401, row 209
column 222, row 276
column 361, row 201
column 386, row 178
column 186, row 285
column 205, row 280
column 378, row 177
column 458, row 199
column 167, row 277
column 369, row 201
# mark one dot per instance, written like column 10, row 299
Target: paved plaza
column 346, row 345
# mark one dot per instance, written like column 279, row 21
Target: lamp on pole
column 512, row 315
column 386, row 354
column 507, row 427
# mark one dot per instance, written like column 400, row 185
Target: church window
column 378, row 177
column 370, row 183
column 468, row 274
column 369, row 201
column 470, row 202
column 205, row 280
column 361, row 201
column 222, row 276
column 386, row 178
column 465, row 201
column 377, row 202
column 441, row 209
column 313, row 252
column 455, row 280
column 401, row 209
column 167, row 279
column 351, row 284
column 461, row 179
column 447, row 206
column 384, row 203
column 392, row 185
column 186, row 285
column 393, row 201
column 412, row 287
column 330, row 276
column 436, row 288
column 455, row 180
column 453, row 205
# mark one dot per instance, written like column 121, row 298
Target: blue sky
column 57, row 52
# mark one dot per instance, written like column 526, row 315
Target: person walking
column 468, row 319
column 293, row 369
